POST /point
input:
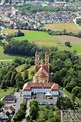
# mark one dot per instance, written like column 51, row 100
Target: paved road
column 17, row 104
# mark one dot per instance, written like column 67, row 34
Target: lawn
column 5, row 57
column 20, row 67
column 7, row 92
column 34, row 35
column 70, row 96
column 70, row 27
column 42, row 39
column 32, row 68
column 76, row 47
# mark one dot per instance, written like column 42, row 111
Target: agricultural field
column 74, row 41
column 42, row 39
column 11, row 31
column 70, row 27
column 76, row 47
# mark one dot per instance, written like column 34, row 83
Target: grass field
column 7, row 92
column 70, row 27
column 11, row 31
column 20, row 67
column 42, row 39
column 32, row 68
column 76, row 47
column 34, row 35
column 4, row 57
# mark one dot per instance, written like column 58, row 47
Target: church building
column 41, row 69
column 41, row 80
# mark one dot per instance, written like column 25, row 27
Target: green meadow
column 42, row 39
column 76, row 47
column 34, row 35
column 6, row 92
column 5, row 57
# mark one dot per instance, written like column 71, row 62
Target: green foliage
column 9, row 37
column 21, row 112
column 67, row 44
column 78, row 21
column 65, row 103
column 34, row 109
column 20, row 48
column 79, row 34
column 76, row 90
column 41, row 120
column 1, row 103
column 19, row 33
column 25, row 76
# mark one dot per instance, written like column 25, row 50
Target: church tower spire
column 47, row 58
column 37, row 58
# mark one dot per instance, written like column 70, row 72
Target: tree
column 1, row 103
column 13, row 80
column 67, row 44
column 41, row 120
column 25, row 75
column 3, row 84
column 76, row 90
column 19, row 80
column 19, row 33
column 73, row 97
column 79, row 34
column 34, row 109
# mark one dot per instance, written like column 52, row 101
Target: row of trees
column 64, row 32
column 9, row 77
column 20, row 48
column 66, row 103
column 21, row 113
column 47, row 114
column 16, row 34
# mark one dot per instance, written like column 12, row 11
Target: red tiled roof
column 55, row 87
column 47, row 52
column 41, row 75
column 45, row 67
column 37, row 68
column 51, row 86
column 36, row 53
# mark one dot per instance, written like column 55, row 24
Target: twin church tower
column 41, row 69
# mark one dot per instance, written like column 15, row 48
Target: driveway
column 17, row 104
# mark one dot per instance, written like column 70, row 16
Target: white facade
column 27, row 94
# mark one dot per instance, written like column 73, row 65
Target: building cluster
column 42, row 84
column 8, row 110
column 11, row 17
